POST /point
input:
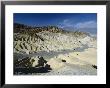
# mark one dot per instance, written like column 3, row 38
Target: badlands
column 62, row 52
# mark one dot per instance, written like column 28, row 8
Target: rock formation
column 31, row 65
column 30, row 41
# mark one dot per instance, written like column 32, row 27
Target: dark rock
column 63, row 60
column 24, row 70
column 41, row 62
column 32, row 60
column 94, row 66
column 48, row 67
column 24, row 66
column 25, row 62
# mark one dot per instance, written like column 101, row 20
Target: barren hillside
column 67, row 53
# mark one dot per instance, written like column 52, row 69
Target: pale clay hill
column 67, row 53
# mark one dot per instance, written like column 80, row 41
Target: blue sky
column 86, row 22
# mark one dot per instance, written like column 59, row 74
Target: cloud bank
column 86, row 26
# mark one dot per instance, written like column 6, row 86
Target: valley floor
column 76, row 62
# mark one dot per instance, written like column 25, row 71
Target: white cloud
column 66, row 23
column 87, row 24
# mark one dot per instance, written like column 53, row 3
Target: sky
column 86, row 22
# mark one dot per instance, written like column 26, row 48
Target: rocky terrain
column 62, row 52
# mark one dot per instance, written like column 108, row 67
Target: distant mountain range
column 21, row 28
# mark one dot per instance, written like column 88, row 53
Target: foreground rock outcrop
column 31, row 65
